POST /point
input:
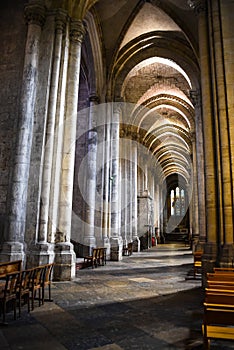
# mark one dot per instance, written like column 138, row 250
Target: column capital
column 195, row 97
column 34, row 13
column 77, row 31
column 61, row 18
column 197, row 5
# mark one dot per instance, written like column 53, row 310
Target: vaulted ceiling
column 151, row 61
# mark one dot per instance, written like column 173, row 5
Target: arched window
column 177, row 197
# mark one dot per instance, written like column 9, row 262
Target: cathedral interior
column 116, row 137
column 116, row 127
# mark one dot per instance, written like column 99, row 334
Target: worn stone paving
column 147, row 301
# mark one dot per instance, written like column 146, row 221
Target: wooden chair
column 9, row 293
column 101, row 256
column 92, row 259
column 36, row 284
column 47, row 281
column 197, row 263
column 25, row 285
column 128, row 250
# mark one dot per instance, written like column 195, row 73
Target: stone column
column 135, row 238
column 211, row 194
column 124, row 189
column 106, row 181
column 115, row 239
column 215, row 30
column 91, row 158
column 13, row 248
column 223, row 99
column 58, row 141
column 196, row 100
column 64, row 253
column 129, row 192
column 43, row 245
column 194, row 214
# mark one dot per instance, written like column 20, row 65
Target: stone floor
column 147, row 301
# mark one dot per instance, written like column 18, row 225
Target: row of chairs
column 97, row 258
column 218, row 319
column 18, row 288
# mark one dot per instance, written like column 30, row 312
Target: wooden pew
column 218, row 320
column 223, row 270
column 220, row 277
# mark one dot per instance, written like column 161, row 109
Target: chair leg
column 19, row 306
column 33, row 296
column 14, row 309
column 4, row 312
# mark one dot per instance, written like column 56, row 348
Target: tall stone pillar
column 215, row 31
column 211, row 194
column 194, row 214
column 196, row 100
column 45, row 251
column 115, row 238
column 129, row 192
column 221, row 26
column 13, row 247
column 106, row 179
column 124, row 189
column 135, row 238
column 64, row 253
column 91, row 159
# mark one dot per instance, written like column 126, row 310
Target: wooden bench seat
column 223, row 270
column 220, row 277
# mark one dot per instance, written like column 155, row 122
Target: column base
column 226, row 256
column 208, row 260
column 136, row 246
column 198, row 245
column 116, row 249
column 12, row 251
column 106, row 244
column 40, row 254
column 65, row 262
